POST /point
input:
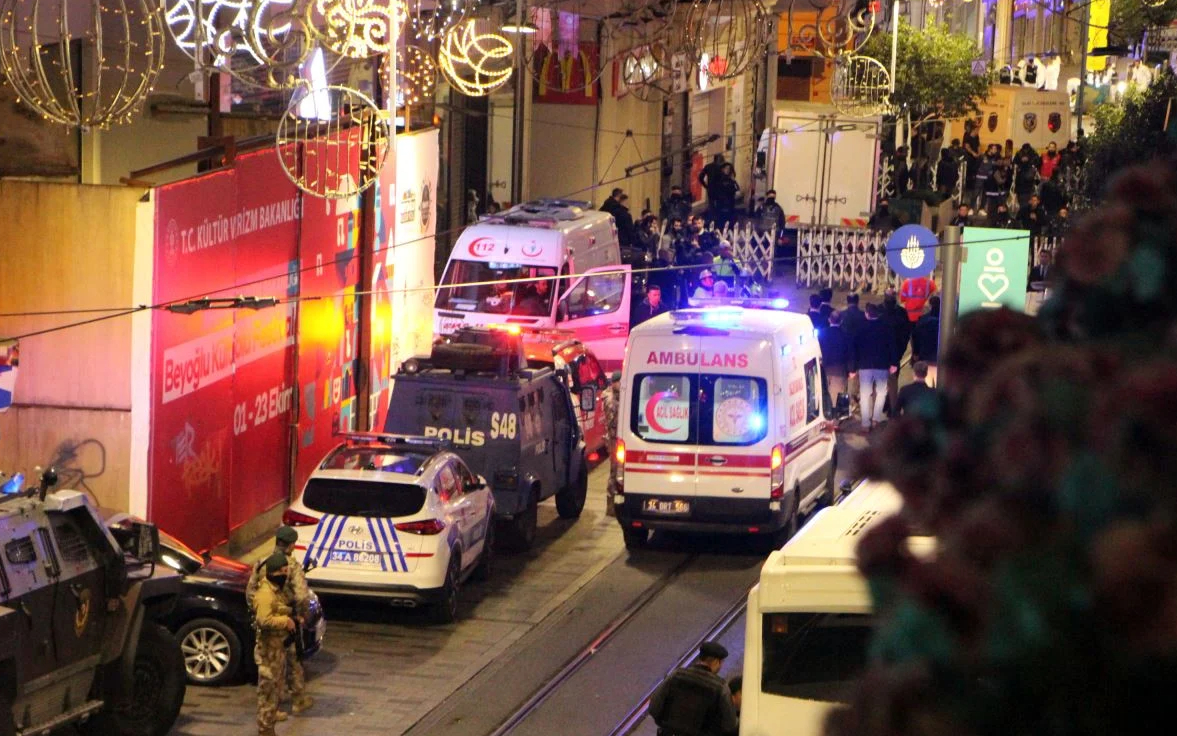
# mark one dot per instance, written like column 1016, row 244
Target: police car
column 396, row 518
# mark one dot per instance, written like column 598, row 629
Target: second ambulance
column 721, row 424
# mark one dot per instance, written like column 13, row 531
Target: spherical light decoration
column 38, row 58
column 430, row 20
column 259, row 42
column 331, row 141
column 416, row 76
column 357, row 29
column 861, row 86
column 736, row 32
column 475, row 63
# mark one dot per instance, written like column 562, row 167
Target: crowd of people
column 1024, row 189
column 863, row 350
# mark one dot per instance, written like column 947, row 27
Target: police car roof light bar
column 777, row 303
column 395, row 439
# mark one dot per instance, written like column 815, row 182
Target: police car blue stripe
column 376, row 541
column 387, row 547
column 311, row 547
column 335, row 539
column 396, row 540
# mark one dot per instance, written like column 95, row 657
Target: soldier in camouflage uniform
column 272, row 618
column 611, row 438
column 297, row 595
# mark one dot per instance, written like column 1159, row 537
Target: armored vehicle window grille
column 20, row 551
column 50, row 552
column 70, row 542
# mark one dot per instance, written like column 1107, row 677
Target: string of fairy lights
column 293, row 46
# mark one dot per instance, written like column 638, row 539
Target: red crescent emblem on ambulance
column 481, row 247
column 531, row 250
column 651, row 405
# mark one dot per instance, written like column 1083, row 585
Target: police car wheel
column 486, row 560
column 635, row 538
column 212, row 651
column 445, row 611
column 570, row 499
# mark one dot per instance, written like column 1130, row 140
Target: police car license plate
column 660, row 506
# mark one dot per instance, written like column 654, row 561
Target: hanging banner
column 402, row 279
column 9, row 362
column 567, row 77
column 221, row 379
column 995, row 269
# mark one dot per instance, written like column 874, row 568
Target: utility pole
column 521, row 80
column 950, row 289
column 1083, row 31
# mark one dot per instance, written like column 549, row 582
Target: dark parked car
column 210, row 618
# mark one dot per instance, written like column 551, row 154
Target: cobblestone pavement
column 381, row 669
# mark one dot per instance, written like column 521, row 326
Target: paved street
column 385, row 670
column 382, row 669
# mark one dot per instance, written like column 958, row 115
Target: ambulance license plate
column 660, row 506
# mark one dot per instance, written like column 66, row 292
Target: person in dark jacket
column 770, row 214
column 852, row 316
column 827, row 302
column 947, row 171
column 676, row 206
column 896, row 318
column 835, row 358
column 1032, row 217
column 925, row 339
column 695, row 700
column 650, row 307
column 616, row 206
column 820, row 321
column 873, row 359
column 883, row 218
column 664, row 276
column 916, row 391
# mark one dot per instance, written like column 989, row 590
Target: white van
column 721, row 426
column 809, row 619
column 572, row 253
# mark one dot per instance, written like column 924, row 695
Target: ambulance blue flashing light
column 721, row 316
column 780, row 303
column 12, row 485
column 744, row 303
column 756, row 422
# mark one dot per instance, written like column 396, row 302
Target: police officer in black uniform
column 695, row 700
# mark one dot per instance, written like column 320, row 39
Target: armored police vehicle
column 79, row 642
column 513, row 425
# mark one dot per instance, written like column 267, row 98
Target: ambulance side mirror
column 588, row 398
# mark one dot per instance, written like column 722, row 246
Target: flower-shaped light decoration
column 357, row 29
column 331, row 141
column 416, row 76
column 474, row 62
column 831, row 33
column 433, row 19
column 736, row 31
column 37, row 55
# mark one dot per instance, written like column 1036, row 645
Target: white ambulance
column 809, row 619
column 570, row 251
column 721, row 425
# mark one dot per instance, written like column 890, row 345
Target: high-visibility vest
column 914, row 293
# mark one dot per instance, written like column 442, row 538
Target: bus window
column 815, row 656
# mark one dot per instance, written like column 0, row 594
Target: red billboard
column 221, row 379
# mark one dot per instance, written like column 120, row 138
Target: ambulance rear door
column 733, row 434
column 661, row 419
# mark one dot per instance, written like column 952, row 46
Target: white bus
column 809, row 619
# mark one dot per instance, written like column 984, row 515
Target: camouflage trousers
column 279, row 670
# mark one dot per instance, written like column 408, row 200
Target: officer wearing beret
column 695, row 701
column 273, row 619
column 296, row 595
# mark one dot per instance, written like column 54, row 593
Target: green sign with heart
column 995, row 269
